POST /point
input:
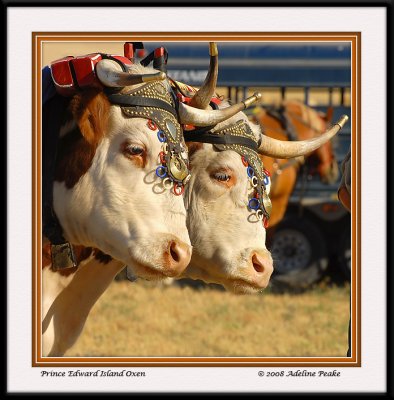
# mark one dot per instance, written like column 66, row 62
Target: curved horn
column 204, row 95
column 196, row 117
column 110, row 74
column 284, row 149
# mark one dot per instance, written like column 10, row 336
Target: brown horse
column 302, row 122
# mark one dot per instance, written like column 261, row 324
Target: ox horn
column 283, row 149
column 110, row 74
column 196, row 117
column 204, row 95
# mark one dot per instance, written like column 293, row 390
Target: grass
column 140, row 319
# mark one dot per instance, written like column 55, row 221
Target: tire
column 345, row 254
column 299, row 252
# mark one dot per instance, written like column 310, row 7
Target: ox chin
column 234, row 284
column 149, row 273
column 240, row 286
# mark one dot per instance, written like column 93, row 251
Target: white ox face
column 228, row 241
column 120, row 206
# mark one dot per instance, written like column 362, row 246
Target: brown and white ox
column 228, row 241
column 110, row 202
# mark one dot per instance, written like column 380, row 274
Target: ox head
column 228, row 206
column 121, row 169
column 227, row 197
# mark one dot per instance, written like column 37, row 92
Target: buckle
column 62, row 256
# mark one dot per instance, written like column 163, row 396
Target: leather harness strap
column 130, row 101
column 209, row 137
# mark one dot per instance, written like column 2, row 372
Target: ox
column 227, row 196
column 117, row 155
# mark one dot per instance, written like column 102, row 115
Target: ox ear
column 192, row 147
column 90, row 110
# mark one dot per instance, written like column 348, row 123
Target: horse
column 294, row 120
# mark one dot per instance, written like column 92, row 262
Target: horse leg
column 69, row 311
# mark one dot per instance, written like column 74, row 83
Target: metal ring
column 250, row 171
column 178, row 189
column 162, row 157
column 255, row 181
column 161, row 171
column 164, row 147
column 254, row 204
column 259, row 214
column 151, row 125
column 161, row 136
column 244, row 162
column 167, row 183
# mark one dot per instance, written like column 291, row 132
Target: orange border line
column 355, row 361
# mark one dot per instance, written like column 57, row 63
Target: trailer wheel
column 299, row 252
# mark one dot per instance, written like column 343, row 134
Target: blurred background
column 311, row 245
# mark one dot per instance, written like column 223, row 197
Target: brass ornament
column 62, row 256
column 178, row 168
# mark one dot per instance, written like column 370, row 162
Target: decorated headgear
column 155, row 102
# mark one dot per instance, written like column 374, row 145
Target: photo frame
column 355, row 363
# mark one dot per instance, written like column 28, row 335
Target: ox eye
column 221, row 177
column 134, row 150
column 224, row 177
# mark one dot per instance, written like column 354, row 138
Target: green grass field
column 140, row 319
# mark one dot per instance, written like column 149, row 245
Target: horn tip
column 161, row 76
column 342, row 121
column 213, row 49
column 250, row 100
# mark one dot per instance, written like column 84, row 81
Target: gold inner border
column 355, row 360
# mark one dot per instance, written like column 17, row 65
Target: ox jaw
column 165, row 258
column 201, row 268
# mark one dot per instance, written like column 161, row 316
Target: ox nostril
column 257, row 264
column 174, row 251
column 176, row 257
